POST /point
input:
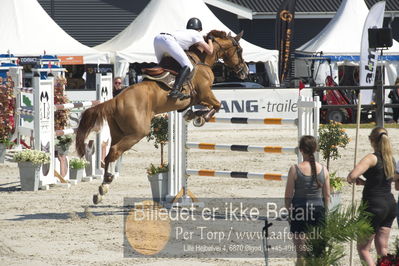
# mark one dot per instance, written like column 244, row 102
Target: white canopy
column 135, row 43
column 340, row 42
column 27, row 30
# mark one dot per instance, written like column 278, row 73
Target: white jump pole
column 176, row 154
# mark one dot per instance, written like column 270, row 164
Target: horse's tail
column 90, row 119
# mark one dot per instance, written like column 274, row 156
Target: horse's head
column 228, row 48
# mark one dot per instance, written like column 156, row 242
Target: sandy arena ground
column 62, row 227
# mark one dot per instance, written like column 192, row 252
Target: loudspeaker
column 380, row 38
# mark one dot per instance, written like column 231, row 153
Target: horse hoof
column 103, row 189
column 189, row 115
column 199, row 121
column 97, row 199
column 108, row 178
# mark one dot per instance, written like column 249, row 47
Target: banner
column 71, row 60
column 284, row 35
column 369, row 56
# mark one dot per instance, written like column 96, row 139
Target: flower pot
column 29, row 174
column 335, row 200
column 76, row 174
column 2, row 152
column 159, row 186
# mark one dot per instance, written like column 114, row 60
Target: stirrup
column 175, row 94
column 184, row 96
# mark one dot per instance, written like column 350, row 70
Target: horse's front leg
column 209, row 100
column 212, row 103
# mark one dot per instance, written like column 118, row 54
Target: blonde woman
column 379, row 170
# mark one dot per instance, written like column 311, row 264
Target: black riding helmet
column 194, row 24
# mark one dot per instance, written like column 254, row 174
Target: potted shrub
column 158, row 174
column 29, row 164
column 336, row 185
column 341, row 226
column 331, row 137
column 76, row 168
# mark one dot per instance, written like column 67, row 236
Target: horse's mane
column 216, row 33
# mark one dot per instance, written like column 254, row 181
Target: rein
column 237, row 68
column 197, row 63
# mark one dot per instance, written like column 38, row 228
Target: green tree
column 159, row 133
column 331, row 137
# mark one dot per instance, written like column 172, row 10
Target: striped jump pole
column 67, row 131
column 234, row 174
column 22, row 111
column 241, row 148
column 67, row 106
column 259, row 121
column 25, row 90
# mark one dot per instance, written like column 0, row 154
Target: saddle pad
column 156, row 71
column 169, row 80
column 165, row 78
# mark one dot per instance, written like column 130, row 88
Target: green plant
column 7, row 142
column 336, row 182
column 153, row 170
column 159, row 134
column 78, row 163
column 33, row 156
column 341, row 226
column 331, row 137
column 7, row 105
column 63, row 142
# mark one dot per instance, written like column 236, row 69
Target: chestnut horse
column 129, row 114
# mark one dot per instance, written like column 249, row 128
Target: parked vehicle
column 336, row 97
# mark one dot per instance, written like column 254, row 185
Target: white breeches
column 167, row 45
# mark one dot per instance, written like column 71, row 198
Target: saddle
column 166, row 72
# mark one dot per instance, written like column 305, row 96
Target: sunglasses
column 118, row 82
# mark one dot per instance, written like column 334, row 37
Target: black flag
column 284, row 34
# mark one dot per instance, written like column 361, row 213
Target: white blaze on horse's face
column 244, row 71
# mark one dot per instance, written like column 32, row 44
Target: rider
column 175, row 44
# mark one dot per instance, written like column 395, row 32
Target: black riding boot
column 180, row 79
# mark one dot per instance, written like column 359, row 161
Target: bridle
column 237, row 68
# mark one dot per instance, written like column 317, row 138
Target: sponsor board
column 260, row 103
column 71, row 60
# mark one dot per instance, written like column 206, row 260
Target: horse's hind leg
column 114, row 153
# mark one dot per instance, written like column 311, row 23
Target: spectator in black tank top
column 307, row 191
column 379, row 170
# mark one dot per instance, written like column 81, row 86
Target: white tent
column 135, row 43
column 27, row 30
column 340, row 42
